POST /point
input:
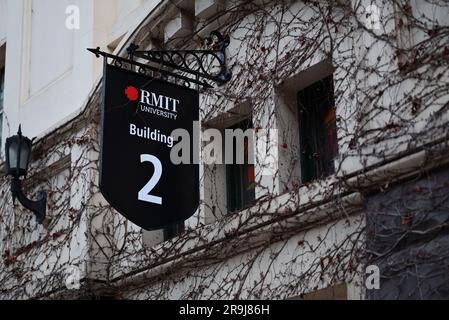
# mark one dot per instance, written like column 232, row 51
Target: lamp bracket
column 38, row 207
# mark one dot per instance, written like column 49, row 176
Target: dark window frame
column 2, row 86
column 2, row 95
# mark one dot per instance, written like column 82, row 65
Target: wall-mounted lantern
column 18, row 157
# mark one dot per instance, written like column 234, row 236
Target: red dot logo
column 132, row 93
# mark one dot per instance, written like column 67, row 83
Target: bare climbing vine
column 391, row 85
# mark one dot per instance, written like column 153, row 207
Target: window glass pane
column 240, row 177
column 318, row 130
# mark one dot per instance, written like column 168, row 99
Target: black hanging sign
column 137, row 176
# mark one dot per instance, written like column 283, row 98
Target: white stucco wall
column 3, row 20
column 49, row 72
column 47, row 82
column 281, row 270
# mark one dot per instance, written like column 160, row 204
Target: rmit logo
column 152, row 99
column 132, row 93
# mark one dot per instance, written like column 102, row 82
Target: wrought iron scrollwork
column 189, row 66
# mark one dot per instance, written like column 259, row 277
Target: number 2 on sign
column 144, row 194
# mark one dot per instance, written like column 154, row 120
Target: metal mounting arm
column 38, row 207
column 196, row 63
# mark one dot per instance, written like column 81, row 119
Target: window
column 240, row 182
column 318, row 130
column 46, row 66
column 173, row 230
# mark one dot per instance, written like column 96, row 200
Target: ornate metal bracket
column 189, row 66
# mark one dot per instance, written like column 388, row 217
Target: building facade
column 348, row 201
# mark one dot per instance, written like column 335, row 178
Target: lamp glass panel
column 24, row 156
column 13, row 154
